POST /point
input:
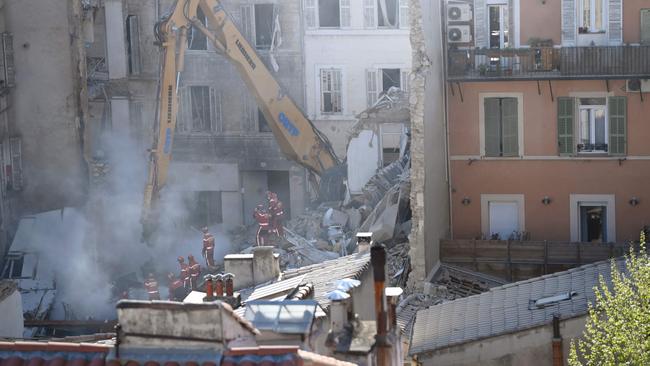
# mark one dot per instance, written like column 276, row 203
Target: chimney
column 338, row 315
column 364, row 241
column 558, row 357
column 266, row 266
column 229, row 280
column 218, row 288
column 209, row 296
column 378, row 261
column 392, row 298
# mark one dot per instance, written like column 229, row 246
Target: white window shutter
column 569, row 25
column 404, row 82
column 248, row 22
column 404, row 14
column 615, row 26
column 480, row 24
column 336, row 90
column 309, row 7
column 16, row 163
column 371, row 86
column 344, row 6
column 369, row 14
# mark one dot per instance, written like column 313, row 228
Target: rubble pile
column 398, row 264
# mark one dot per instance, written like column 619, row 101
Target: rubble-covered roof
column 450, row 283
column 322, row 276
column 509, row 308
column 83, row 354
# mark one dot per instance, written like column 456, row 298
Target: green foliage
column 617, row 331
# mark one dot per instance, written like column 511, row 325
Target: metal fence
column 549, row 63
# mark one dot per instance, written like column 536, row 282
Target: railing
column 549, row 63
column 519, row 260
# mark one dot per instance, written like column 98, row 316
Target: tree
column 617, row 331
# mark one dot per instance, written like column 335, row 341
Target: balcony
column 516, row 260
column 546, row 63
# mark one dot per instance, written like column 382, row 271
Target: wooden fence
column 519, row 260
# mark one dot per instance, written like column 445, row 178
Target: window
column 592, row 125
column 502, row 216
column 204, row 208
column 592, row 218
column 264, row 24
column 591, row 16
column 387, row 13
column 501, row 124
column 196, row 40
column 600, row 124
column 379, row 81
column 13, row 267
column 330, row 87
column 133, row 44
column 329, row 14
column 262, row 124
column 200, row 99
column 498, row 24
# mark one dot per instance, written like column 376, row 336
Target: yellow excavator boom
column 297, row 137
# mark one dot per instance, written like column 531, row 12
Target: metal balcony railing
column 549, row 63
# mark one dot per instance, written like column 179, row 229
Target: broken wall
column 429, row 179
column 45, row 107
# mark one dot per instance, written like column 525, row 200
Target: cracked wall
column 429, row 178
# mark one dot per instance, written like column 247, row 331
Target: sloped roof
column 507, row 309
column 322, row 276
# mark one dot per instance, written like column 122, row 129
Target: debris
column 334, row 217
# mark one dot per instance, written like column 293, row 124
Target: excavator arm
column 297, row 137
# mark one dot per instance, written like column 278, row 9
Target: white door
column 504, row 218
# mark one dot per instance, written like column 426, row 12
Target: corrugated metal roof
column 507, row 308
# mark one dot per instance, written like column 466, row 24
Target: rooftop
column 84, row 354
column 509, row 308
column 322, row 276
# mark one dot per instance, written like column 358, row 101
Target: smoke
column 103, row 244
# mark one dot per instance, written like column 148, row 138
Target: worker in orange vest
column 208, row 248
column 263, row 224
column 176, row 290
column 151, row 285
column 276, row 211
column 185, row 273
column 195, row 271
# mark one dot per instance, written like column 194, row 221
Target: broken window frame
column 331, row 82
column 254, row 25
column 375, row 83
column 15, row 261
column 133, row 45
column 195, row 34
column 185, row 121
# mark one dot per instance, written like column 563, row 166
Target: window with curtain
column 592, row 16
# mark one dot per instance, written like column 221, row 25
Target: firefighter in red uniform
column 208, row 248
column 151, row 285
column 263, row 222
column 277, row 214
column 195, row 271
column 185, row 273
column 176, row 290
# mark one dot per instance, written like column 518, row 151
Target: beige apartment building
column 549, row 111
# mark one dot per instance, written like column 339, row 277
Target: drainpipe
column 558, row 358
column 378, row 261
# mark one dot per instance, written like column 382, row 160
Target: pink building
column 549, row 119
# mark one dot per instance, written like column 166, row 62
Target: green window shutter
column 509, row 127
column 565, row 122
column 492, row 127
column 617, row 125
